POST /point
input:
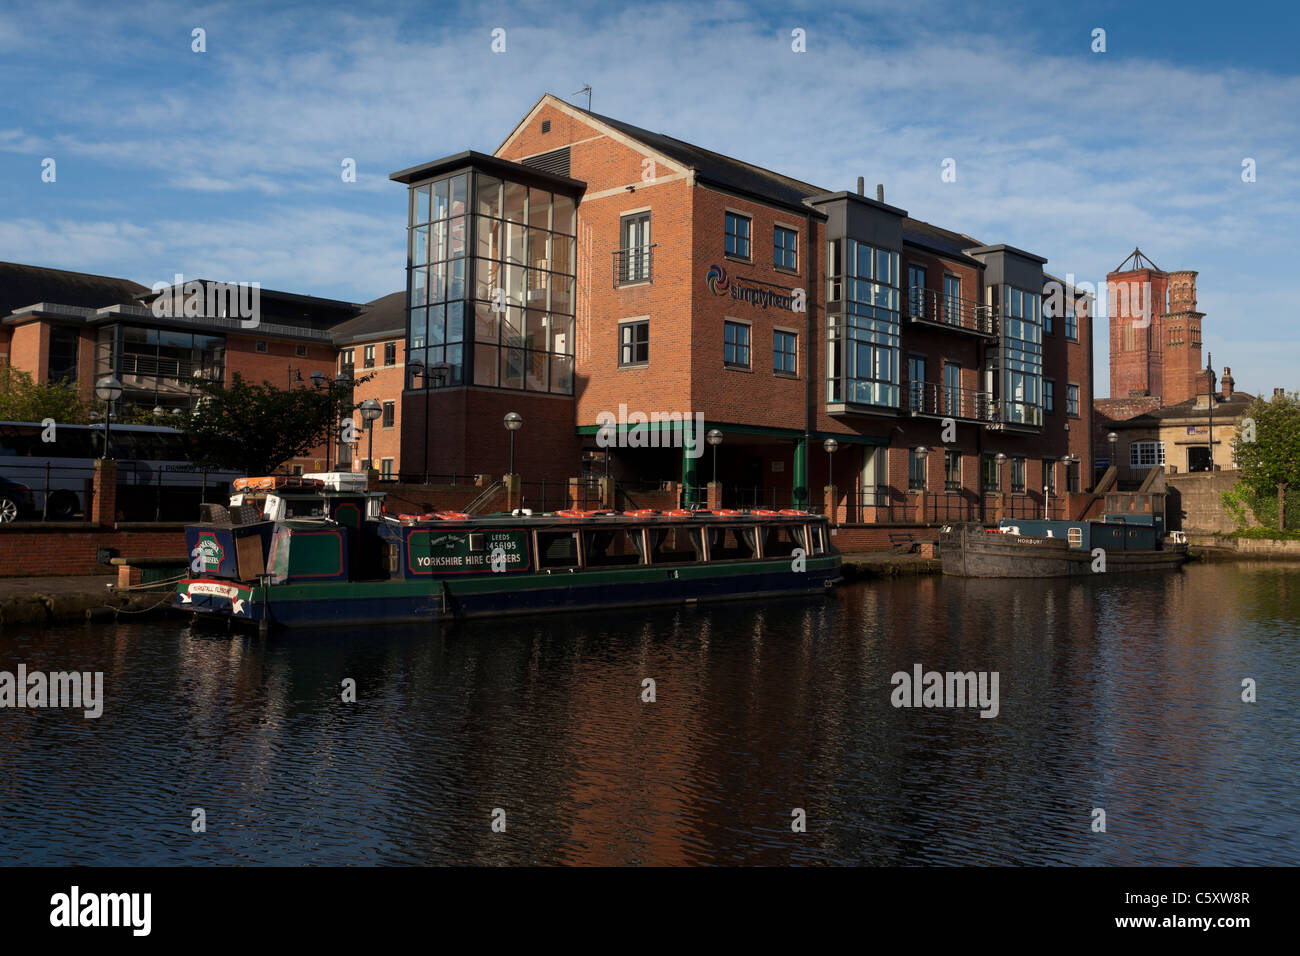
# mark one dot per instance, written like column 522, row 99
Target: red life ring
column 764, row 512
column 640, row 513
column 453, row 516
column 729, row 513
column 792, row 512
column 574, row 513
column 678, row 513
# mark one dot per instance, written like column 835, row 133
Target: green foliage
column 1268, row 534
column 1270, row 464
column 255, row 429
column 22, row 399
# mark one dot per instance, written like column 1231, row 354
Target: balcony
column 932, row 400
column 931, row 307
column 1016, row 415
column 633, row 265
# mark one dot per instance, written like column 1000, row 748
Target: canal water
column 1114, row 695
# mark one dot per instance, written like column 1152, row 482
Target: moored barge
column 313, row 557
column 1129, row 536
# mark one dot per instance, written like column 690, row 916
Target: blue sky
column 226, row 164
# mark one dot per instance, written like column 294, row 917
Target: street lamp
column 921, row 451
column 1001, row 460
column 108, row 390
column 606, row 435
column 714, row 438
column 318, row 381
column 342, row 380
column 371, row 410
column 513, row 422
column 1049, row 466
column 1114, row 463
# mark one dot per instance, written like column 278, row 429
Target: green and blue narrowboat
column 316, row 558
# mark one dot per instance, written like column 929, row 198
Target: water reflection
column 1123, row 695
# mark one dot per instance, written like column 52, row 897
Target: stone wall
column 1195, row 503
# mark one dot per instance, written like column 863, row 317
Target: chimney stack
column 862, row 185
column 1228, row 383
column 1278, row 393
column 880, row 192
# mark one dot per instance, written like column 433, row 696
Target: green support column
column 690, row 478
column 799, row 490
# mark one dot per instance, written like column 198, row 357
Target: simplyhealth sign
column 756, row 293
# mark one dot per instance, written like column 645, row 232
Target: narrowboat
column 313, row 556
column 1129, row 536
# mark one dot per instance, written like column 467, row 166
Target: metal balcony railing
column 634, row 265
column 930, row 305
column 944, row 401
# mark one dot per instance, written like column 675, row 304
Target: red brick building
column 708, row 289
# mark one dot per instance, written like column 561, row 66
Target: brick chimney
column 1228, row 383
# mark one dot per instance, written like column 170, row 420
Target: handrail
column 485, row 497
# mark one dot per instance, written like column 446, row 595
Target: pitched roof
column 1232, row 408
column 715, row 168
column 22, row 285
column 383, row 317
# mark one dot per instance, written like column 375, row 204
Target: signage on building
column 760, row 294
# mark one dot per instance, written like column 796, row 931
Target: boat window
column 557, row 549
column 676, row 545
column 1075, row 536
column 732, row 544
column 817, row 538
column 609, row 547
column 779, row 541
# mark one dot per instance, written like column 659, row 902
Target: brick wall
column 40, row 552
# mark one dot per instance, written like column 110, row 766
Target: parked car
column 16, row 501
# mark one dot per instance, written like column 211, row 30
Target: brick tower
column 1181, row 329
column 1137, row 305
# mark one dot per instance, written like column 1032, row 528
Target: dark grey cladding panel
column 1005, row 265
column 852, row 217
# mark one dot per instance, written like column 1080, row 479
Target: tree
column 255, row 429
column 1268, row 449
column 23, row 399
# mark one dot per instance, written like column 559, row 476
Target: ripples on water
column 1123, row 695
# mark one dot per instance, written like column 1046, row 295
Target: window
column 634, row 343
column 916, row 383
column 1049, row 476
column 369, row 357
column 390, row 414
column 1071, row 321
column 1072, row 400
column 916, row 292
column 1019, row 357
column 612, row 547
column 733, row 544
column 557, row 549
column 863, row 342
column 952, row 299
column 735, row 344
column 1048, row 313
column 785, row 348
column 834, row 271
column 390, row 354
column 1049, row 395
column 737, row 241
column 386, row 467
column 991, row 477
column 675, row 545
column 1146, row 454
column 1017, row 476
column 635, row 260
column 952, row 397
column 785, row 248
column 1075, row 537
column 261, row 345
column 347, row 360
column 952, row 471
column 916, row 470
column 300, row 351
column 62, row 365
